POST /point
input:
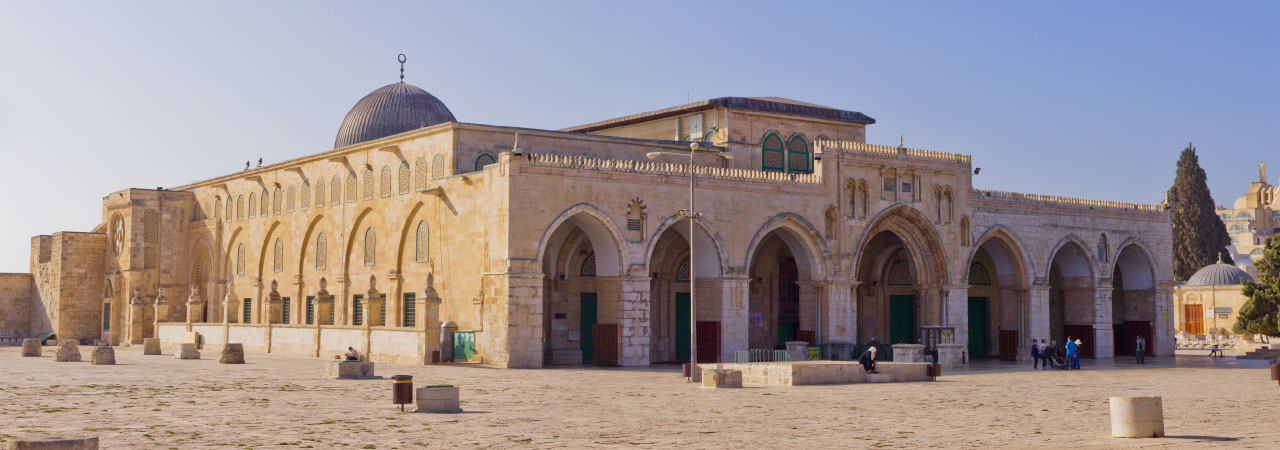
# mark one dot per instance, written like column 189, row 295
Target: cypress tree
column 1261, row 313
column 1199, row 236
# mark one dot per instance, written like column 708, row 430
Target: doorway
column 788, row 301
column 978, row 332
column 586, row 321
column 902, row 319
column 682, row 327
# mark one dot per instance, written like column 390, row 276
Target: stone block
column 68, row 351
column 349, row 370
column 1137, row 417
column 438, row 399
column 186, row 351
column 951, row 355
column 54, row 443
column 103, row 356
column 193, row 337
column 908, row 353
column 721, row 378
column 231, row 354
column 151, row 346
column 31, row 347
column 879, row 378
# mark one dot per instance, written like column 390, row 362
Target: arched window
column 370, row 247
column 866, row 196
column 290, row 197
column 404, row 177
column 964, row 231
column 335, row 190
column 1244, row 215
column 771, row 153
column 899, row 273
column 149, row 258
column 1225, row 216
column 240, row 259
column 151, row 226
column 217, row 208
column 483, row 160
column 799, row 159
column 437, row 168
column 322, row 251
column 1256, row 252
column 1237, row 228
column 305, row 201
column 420, row 243
column 384, row 183
column 265, row 196
column 1103, row 248
column 239, row 207
column 319, row 192
column 683, row 271
column 951, row 204
column 368, row 183
column 253, row 205
column 588, row 266
column 351, row 187
column 276, row 201
column 937, row 199
column 420, row 174
column 978, row 275
column 277, row 257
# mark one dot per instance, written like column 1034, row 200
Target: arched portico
column 902, row 279
column 1073, row 307
column 1134, row 299
column 786, row 269
column 671, row 271
column 999, row 312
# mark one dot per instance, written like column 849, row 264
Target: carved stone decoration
column 430, row 294
column 636, row 215
column 136, row 299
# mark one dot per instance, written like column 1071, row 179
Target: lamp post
column 695, row 375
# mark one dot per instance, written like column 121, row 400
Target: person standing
column 1141, row 353
column 1072, row 360
column 1035, row 354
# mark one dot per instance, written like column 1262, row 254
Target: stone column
column 161, row 310
column 137, row 307
column 635, row 323
column 395, row 317
column 811, row 308
column 273, row 305
column 298, row 307
column 229, row 307
column 1163, row 328
column 735, row 296
column 839, row 322
column 957, row 304
column 514, row 331
column 1103, row 334
column 428, row 319
column 257, row 311
column 372, row 309
column 324, row 301
column 341, row 302
column 1037, row 313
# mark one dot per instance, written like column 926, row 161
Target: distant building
column 1251, row 220
column 1209, row 300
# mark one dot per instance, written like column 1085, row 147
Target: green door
column 902, row 319
column 682, row 327
column 978, row 332
column 587, row 320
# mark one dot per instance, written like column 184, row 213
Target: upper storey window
column 772, row 153
column 799, row 159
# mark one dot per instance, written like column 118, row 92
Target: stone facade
column 1251, row 220
column 567, row 246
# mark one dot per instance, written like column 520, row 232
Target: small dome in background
column 1219, row 274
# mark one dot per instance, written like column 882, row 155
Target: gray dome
column 392, row 109
column 1219, row 274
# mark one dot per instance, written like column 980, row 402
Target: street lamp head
column 726, row 155
column 817, row 156
column 652, row 155
column 695, row 146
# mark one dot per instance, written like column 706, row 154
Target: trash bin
column 1275, row 372
column 402, row 390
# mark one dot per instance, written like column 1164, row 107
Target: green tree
column 1199, row 236
column 1261, row 313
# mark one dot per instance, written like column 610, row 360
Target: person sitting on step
column 868, row 360
column 352, row 354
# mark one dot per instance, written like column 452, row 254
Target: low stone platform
column 438, row 399
column 53, row 443
column 186, row 351
column 349, row 370
column 806, row 373
column 720, row 379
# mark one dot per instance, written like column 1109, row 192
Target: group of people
column 1047, row 354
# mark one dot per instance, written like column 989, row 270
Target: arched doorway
column 580, row 259
column 782, row 296
column 999, row 312
column 901, row 273
column 670, row 301
column 1071, row 298
column 1133, row 301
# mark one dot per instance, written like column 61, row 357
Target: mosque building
column 575, row 246
column 1251, row 220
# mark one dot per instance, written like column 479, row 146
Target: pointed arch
column 277, row 256
column 799, row 156
column 240, row 207
column 253, row 205
column 921, row 238
column 151, row 225
column 370, row 247
column 712, row 257
column 291, row 197
column 1004, row 246
column 305, row 201
column 277, row 201
column 320, row 192
column 404, row 178
column 437, row 168
column 1084, row 265
column 384, row 182
column 368, row 183
column 483, row 160
column 420, row 174
column 801, row 236
column 772, row 153
column 605, row 238
column 335, row 190
column 421, row 242
column 265, row 203
column 351, row 187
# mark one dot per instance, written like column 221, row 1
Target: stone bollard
column 53, row 443
column 151, row 346
column 31, row 347
column 231, row 354
column 103, row 356
column 721, row 378
column 68, row 351
column 186, row 351
column 438, row 399
column 1137, row 417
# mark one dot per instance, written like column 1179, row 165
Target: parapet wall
column 1018, row 198
column 672, row 169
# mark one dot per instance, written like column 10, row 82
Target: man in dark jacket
column 1035, row 354
column 868, row 360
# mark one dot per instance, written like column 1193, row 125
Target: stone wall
column 15, row 303
column 69, row 283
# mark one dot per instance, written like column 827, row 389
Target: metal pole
column 695, row 374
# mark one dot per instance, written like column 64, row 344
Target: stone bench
column 103, row 356
column 68, row 351
column 186, row 351
column 438, row 399
column 31, row 347
column 53, row 443
column 721, row 378
column 349, row 370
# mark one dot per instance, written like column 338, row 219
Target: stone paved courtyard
column 284, row 402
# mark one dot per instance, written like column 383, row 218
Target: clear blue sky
column 1089, row 99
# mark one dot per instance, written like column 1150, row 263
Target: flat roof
column 775, row 105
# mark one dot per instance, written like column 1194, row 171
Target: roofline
column 738, row 103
